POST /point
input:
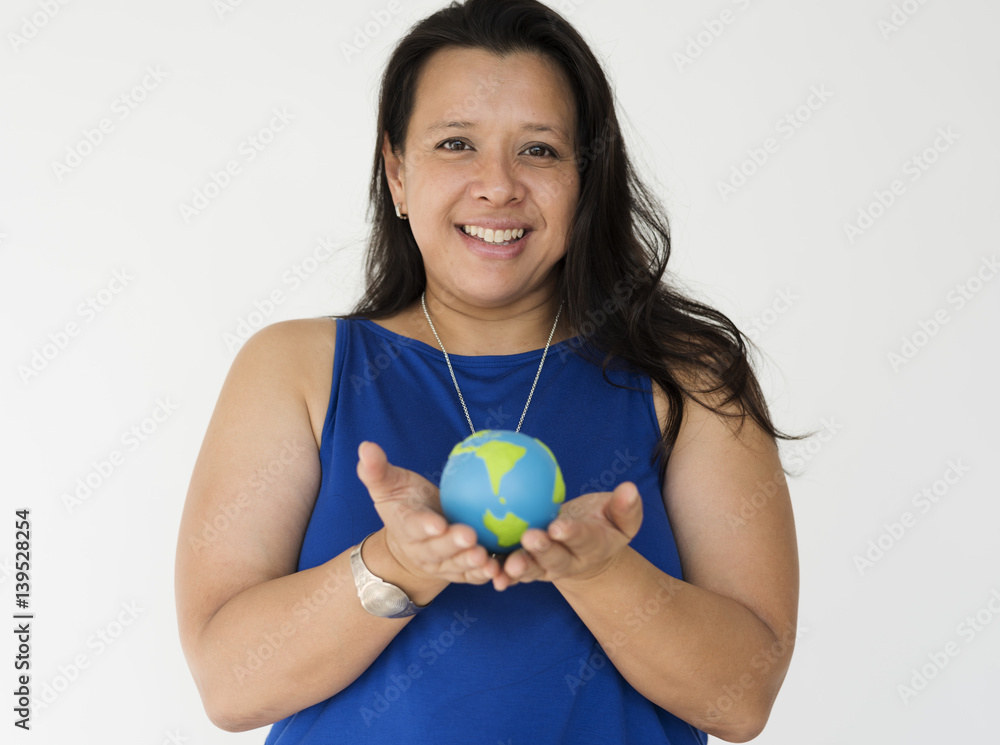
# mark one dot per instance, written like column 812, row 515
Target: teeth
column 493, row 236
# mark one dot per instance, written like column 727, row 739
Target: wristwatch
column 379, row 598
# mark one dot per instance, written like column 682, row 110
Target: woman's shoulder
column 294, row 342
column 298, row 355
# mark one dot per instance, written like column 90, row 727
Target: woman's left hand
column 587, row 537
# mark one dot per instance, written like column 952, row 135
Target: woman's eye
column 535, row 148
column 446, row 143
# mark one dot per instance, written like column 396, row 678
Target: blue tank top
column 477, row 665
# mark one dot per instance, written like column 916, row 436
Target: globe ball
column 501, row 483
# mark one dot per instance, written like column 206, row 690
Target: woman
column 514, row 258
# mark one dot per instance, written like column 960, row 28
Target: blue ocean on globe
column 501, row 483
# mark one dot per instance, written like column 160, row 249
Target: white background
column 827, row 312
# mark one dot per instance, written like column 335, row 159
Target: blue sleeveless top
column 477, row 665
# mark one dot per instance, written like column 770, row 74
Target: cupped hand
column 587, row 537
column 417, row 535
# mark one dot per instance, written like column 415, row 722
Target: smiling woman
column 463, row 183
column 514, row 257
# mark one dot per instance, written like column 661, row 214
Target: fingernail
column 541, row 544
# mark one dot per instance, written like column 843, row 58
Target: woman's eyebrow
column 526, row 127
column 438, row 126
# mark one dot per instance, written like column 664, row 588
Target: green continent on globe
column 508, row 531
column 498, row 456
column 559, row 490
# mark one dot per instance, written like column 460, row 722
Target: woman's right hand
column 417, row 535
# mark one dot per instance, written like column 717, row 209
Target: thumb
column 386, row 482
column 625, row 509
column 374, row 469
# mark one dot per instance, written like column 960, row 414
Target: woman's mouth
column 493, row 237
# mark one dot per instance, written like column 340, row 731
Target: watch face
column 383, row 599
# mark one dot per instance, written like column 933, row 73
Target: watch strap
column 378, row 597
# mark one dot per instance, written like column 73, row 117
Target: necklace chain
column 447, row 359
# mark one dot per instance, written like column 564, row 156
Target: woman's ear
column 393, row 170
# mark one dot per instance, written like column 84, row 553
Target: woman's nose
column 497, row 180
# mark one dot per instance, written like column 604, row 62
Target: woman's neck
column 470, row 331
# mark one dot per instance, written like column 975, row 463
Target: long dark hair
column 617, row 301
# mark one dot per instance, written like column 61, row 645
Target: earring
column 399, row 214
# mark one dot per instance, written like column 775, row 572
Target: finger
column 539, row 556
column 624, row 509
column 387, row 483
column 384, row 480
column 535, row 540
column 572, row 535
column 373, row 469
column 502, row 580
column 445, row 550
column 490, row 570
column 563, row 529
column 414, row 524
column 517, row 567
column 473, row 566
column 455, row 555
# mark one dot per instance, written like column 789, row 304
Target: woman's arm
column 262, row 640
column 712, row 649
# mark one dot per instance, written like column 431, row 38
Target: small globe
column 501, row 483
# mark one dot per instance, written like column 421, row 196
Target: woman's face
column 489, row 145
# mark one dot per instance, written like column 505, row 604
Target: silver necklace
column 427, row 315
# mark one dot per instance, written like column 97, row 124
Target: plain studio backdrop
column 175, row 176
